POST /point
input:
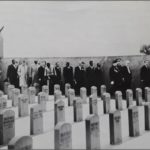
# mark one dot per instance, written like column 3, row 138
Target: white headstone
column 115, row 127
column 3, row 103
column 78, row 112
column 15, row 96
column 21, row 143
column 94, row 90
column 24, row 89
column 147, row 94
column 45, row 89
column 7, row 126
column 93, row 104
column 83, row 94
column 118, row 98
column 10, row 88
column 6, row 87
column 139, row 97
column 32, row 93
column 67, row 87
column 36, row 120
column 92, row 132
column 103, row 89
column 106, row 102
column 56, row 87
column 63, row 136
column 57, row 95
column 23, row 105
column 129, row 97
column 59, row 111
column 42, row 100
column 71, row 96
column 133, row 121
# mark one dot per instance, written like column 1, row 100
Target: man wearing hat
column 116, row 77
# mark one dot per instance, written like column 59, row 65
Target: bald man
column 127, row 75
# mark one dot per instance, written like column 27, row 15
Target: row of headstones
column 77, row 103
column 93, row 103
column 7, row 117
column 7, row 123
column 36, row 115
column 63, row 131
column 92, row 129
column 7, row 127
column 8, row 89
column 23, row 100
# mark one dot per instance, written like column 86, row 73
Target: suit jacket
column 58, row 74
column 90, row 74
column 41, row 72
column 115, row 75
column 12, row 74
column 126, row 74
column 98, row 76
column 80, row 75
column 68, row 74
column 145, row 74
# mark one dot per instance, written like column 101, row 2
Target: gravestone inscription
column 115, row 127
column 78, row 112
column 36, row 120
column 133, row 121
column 59, row 111
column 7, row 126
column 92, row 132
column 63, row 136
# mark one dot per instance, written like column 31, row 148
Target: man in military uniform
column 116, row 77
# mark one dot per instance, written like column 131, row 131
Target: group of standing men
column 80, row 77
column 121, row 76
column 42, row 73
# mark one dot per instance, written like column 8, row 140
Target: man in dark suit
column 145, row 75
column 90, row 76
column 12, row 74
column 98, row 77
column 116, row 77
column 68, row 74
column 80, row 77
column 42, row 74
column 57, row 74
column 127, row 75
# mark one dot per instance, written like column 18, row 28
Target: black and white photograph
column 74, row 75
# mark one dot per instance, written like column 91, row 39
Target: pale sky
column 74, row 28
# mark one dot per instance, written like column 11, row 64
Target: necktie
column 128, row 70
